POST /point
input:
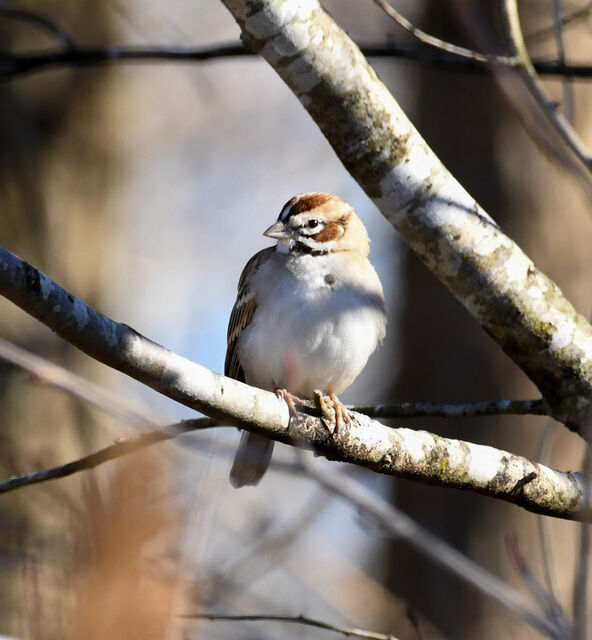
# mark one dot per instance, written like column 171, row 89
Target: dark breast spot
column 330, row 279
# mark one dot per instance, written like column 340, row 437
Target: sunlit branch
column 518, row 306
column 402, row 452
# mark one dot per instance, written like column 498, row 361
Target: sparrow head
column 318, row 224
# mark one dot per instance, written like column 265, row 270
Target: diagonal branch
column 302, row 620
column 399, row 524
column 39, row 20
column 489, row 274
column 119, row 449
column 511, row 23
column 45, row 371
column 437, row 43
column 401, row 452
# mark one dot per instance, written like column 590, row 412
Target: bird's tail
column 251, row 460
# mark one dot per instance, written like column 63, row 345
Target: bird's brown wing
column 242, row 313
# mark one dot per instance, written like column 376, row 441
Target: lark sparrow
column 308, row 314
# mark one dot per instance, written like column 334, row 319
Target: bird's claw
column 331, row 404
column 290, row 399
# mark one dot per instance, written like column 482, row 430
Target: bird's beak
column 278, row 231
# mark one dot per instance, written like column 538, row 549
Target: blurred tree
column 447, row 356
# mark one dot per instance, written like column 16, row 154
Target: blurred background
column 143, row 189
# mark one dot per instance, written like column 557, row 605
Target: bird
column 309, row 312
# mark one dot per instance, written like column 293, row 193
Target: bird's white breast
column 318, row 320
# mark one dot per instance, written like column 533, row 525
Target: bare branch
column 511, row 22
column 45, row 371
column 568, row 19
column 559, row 24
column 309, row 622
column 13, row 65
column 123, row 447
column 261, row 557
column 471, row 409
column 553, row 610
column 437, row 43
column 399, row 524
column 402, row 452
column 514, row 302
column 39, row 20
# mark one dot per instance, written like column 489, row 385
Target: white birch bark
column 522, row 309
column 400, row 452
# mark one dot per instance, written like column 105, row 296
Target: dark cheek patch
column 331, row 231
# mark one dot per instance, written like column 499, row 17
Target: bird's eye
column 312, row 223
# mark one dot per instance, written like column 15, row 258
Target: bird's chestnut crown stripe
column 300, row 204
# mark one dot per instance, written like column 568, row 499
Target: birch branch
column 400, row 452
column 522, row 309
column 50, row 373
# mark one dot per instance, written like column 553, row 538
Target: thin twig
column 568, row 19
column 266, row 553
column 40, row 20
column 553, row 610
column 512, row 27
column 310, row 622
column 432, row 41
column 116, row 450
column 471, row 409
column 394, row 451
column 399, row 524
column 567, row 86
column 13, row 65
column 49, row 373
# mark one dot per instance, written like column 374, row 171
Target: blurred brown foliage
column 127, row 582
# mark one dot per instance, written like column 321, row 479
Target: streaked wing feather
column 242, row 314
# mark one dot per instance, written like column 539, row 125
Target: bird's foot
column 331, row 404
column 290, row 399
